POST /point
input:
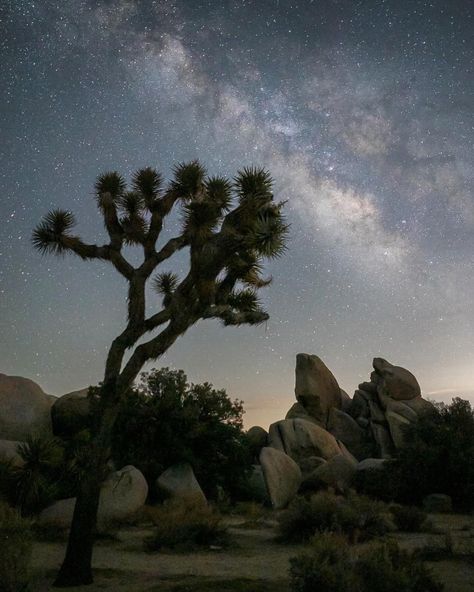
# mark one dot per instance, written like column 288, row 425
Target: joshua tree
column 229, row 228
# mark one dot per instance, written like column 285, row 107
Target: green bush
column 183, row 422
column 408, row 518
column 323, row 569
column 15, row 550
column 437, row 457
column 359, row 517
column 332, row 565
column 37, row 483
column 183, row 526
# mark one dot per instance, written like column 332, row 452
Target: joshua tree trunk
column 76, row 569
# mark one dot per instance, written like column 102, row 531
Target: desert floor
column 251, row 561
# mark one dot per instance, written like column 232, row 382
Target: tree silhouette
column 229, row 228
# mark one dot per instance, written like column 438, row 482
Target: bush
column 359, row 517
column 325, row 568
column 408, row 518
column 184, row 422
column 333, row 566
column 183, row 526
column 437, row 457
column 37, row 483
column 15, row 550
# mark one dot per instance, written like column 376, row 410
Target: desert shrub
column 332, row 565
column 380, row 483
column 168, row 421
column 408, row 518
column 15, row 550
column 182, row 525
column 37, row 483
column 324, row 568
column 437, row 457
column 359, row 517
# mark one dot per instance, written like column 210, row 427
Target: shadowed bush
column 332, row 565
column 408, row 518
column 183, row 526
column 15, row 550
column 358, row 517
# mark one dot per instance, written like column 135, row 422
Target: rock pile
column 327, row 436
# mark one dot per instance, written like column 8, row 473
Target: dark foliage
column 332, row 566
column 358, row 517
column 168, row 421
column 408, row 518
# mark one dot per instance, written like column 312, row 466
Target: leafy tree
column 438, row 455
column 167, row 421
column 229, row 229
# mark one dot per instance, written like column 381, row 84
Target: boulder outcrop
column 122, row 494
column 179, row 481
column 24, row 408
column 282, row 476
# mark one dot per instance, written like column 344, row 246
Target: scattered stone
column 438, row 503
column 9, row 453
column 282, row 476
column 370, row 464
column 299, row 439
column 397, row 382
column 122, row 494
column 179, row 481
column 316, row 388
column 24, row 408
column 71, row 413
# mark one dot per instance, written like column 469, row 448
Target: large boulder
column 122, row 494
column 258, row 438
column 71, row 413
column 398, row 425
column 337, row 472
column 297, row 411
column 24, row 408
column 179, row 481
column 282, row 476
column 9, row 453
column 316, row 387
column 344, row 428
column 395, row 381
column 300, row 439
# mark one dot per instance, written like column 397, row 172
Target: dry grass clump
column 184, row 525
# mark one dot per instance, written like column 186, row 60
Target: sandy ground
column 122, row 565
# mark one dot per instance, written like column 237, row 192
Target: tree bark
column 76, row 569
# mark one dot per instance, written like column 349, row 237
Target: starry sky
column 363, row 112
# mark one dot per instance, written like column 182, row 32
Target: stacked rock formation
column 327, row 436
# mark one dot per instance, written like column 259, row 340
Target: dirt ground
column 253, row 561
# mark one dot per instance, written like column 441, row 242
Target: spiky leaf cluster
column 49, row 232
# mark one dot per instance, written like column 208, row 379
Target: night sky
column 361, row 110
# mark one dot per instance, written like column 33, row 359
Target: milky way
column 361, row 110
